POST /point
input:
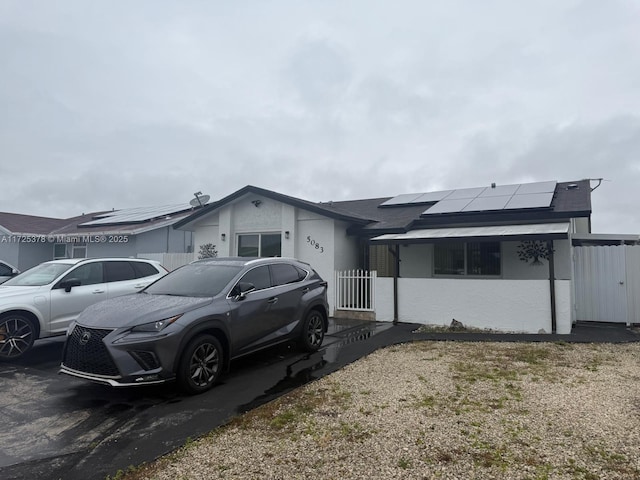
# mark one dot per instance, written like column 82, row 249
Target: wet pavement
column 58, row 427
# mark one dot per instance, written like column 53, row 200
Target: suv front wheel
column 17, row 334
column 200, row 365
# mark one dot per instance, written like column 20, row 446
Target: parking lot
column 56, row 426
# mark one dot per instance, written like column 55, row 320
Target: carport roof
column 539, row 230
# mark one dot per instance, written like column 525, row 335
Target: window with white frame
column 59, row 251
column 79, row 250
column 260, row 245
column 467, row 258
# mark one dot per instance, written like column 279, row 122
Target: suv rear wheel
column 312, row 331
column 200, row 365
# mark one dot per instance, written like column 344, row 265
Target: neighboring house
column 27, row 240
column 476, row 255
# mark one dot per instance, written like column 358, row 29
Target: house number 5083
column 315, row 244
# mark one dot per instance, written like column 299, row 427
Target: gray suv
column 190, row 324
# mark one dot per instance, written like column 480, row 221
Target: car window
column 143, row 269
column 88, row 274
column 5, row 270
column 119, row 271
column 39, row 275
column 259, row 276
column 194, row 281
column 284, row 273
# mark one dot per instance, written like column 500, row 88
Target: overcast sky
column 115, row 104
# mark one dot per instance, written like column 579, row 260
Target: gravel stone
column 439, row 410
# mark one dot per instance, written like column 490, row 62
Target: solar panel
column 401, row 199
column 466, row 193
column 482, row 204
column 500, row 190
column 432, row 196
column 533, row 200
column 136, row 215
column 479, row 199
column 537, row 187
column 448, row 206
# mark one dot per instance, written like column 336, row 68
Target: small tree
column 207, row 250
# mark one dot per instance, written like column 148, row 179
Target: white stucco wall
column 320, row 241
column 504, row 305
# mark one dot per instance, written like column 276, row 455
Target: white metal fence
column 171, row 261
column 355, row 290
column 607, row 283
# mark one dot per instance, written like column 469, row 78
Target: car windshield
column 194, row 281
column 39, row 275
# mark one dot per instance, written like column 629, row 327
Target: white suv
column 7, row 271
column 42, row 301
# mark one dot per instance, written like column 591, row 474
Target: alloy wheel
column 16, row 337
column 315, row 330
column 204, row 365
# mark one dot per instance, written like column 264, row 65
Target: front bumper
column 99, row 355
column 146, row 379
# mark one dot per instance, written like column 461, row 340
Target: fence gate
column 355, row 290
column 607, row 283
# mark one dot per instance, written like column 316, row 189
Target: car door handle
column 273, row 300
column 142, row 285
column 305, row 290
column 97, row 291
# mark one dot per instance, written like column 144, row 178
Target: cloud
column 126, row 104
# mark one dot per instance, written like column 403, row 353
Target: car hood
column 137, row 309
column 7, row 291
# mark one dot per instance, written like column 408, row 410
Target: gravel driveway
column 441, row 410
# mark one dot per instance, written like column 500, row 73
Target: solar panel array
column 136, row 215
column 480, row 199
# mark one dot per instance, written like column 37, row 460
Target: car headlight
column 156, row 326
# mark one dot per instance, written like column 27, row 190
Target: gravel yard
column 441, row 410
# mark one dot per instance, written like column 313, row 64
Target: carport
column 521, row 298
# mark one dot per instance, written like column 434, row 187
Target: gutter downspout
column 552, row 285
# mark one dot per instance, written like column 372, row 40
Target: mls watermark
column 64, row 239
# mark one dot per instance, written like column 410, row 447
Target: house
column 27, row 240
column 494, row 257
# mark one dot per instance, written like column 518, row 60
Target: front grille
column 86, row 352
column 147, row 360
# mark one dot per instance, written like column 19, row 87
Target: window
column 79, row 251
column 143, row 269
column 119, row 271
column 260, row 245
column 59, row 251
column 5, row 270
column 259, row 277
column 88, row 274
column 472, row 258
column 284, row 273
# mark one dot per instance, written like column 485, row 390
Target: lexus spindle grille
column 85, row 352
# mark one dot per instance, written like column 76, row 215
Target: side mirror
column 241, row 289
column 14, row 272
column 69, row 284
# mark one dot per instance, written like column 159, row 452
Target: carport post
column 552, row 285
column 396, row 274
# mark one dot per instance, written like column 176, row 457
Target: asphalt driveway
column 59, row 427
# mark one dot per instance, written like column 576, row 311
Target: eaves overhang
column 546, row 231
